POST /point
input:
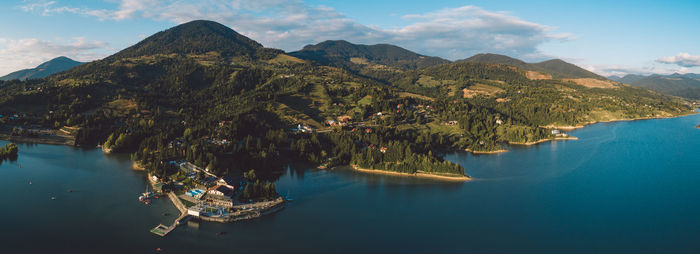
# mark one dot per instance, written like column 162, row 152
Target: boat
column 146, row 196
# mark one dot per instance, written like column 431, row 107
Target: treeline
column 9, row 151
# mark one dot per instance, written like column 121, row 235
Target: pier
column 163, row 230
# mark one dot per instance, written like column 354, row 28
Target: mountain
column 342, row 53
column 559, row 69
column 627, row 79
column 52, row 66
column 682, row 85
column 196, row 37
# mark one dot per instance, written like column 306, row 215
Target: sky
column 607, row 37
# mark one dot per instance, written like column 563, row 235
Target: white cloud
column 452, row 33
column 647, row 69
column 28, row 53
column 682, row 59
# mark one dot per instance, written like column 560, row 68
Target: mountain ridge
column 558, row 68
column 682, row 85
column 45, row 69
column 344, row 53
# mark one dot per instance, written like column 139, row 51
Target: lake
column 623, row 187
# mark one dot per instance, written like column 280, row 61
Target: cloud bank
column 28, row 53
column 452, row 33
column 682, row 59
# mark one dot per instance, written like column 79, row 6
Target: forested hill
column 197, row 37
column 683, row 85
column 52, row 66
column 203, row 93
column 343, row 54
column 557, row 68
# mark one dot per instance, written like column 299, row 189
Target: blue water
column 624, row 187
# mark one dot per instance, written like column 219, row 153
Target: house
column 499, row 121
column 383, row 149
column 556, row 132
column 219, row 201
column 221, row 190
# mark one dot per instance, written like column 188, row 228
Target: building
column 194, row 210
column 221, row 190
column 221, row 201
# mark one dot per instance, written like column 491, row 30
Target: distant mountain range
column 682, row 85
column 55, row 65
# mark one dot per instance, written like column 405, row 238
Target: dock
column 163, row 230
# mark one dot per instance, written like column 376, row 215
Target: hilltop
column 196, row 38
column 343, row 54
column 47, row 68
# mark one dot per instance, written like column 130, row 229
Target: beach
column 418, row 174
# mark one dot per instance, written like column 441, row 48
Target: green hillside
column 557, row 68
column 344, row 54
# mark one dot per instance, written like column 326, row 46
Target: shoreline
column 418, row 174
column 541, row 141
column 486, row 152
column 573, row 127
column 48, row 140
column 138, row 166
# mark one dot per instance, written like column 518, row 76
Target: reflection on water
column 627, row 187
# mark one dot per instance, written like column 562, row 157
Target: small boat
column 53, row 198
column 30, row 182
column 146, row 195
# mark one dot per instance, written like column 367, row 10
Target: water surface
column 624, row 187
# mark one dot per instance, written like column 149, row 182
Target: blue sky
column 608, row 37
